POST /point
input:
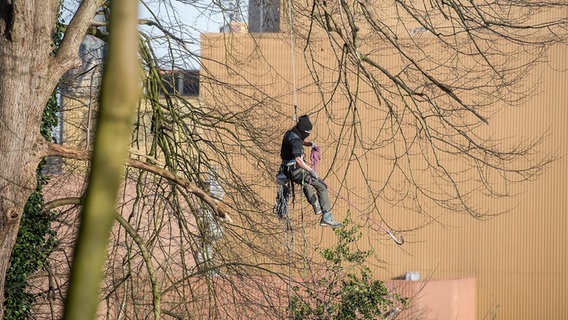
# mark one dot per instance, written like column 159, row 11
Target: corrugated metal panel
column 519, row 258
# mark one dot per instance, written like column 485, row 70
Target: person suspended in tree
column 296, row 169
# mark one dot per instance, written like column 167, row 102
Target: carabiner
column 399, row 240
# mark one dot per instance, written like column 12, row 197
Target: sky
column 185, row 19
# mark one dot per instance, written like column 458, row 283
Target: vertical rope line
column 295, row 118
column 292, row 60
column 307, row 263
column 289, row 245
column 305, row 254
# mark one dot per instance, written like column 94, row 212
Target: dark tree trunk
column 25, row 46
column 28, row 74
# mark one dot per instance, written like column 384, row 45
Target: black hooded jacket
column 291, row 145
column 294, row 139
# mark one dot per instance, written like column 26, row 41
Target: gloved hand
column 314, row 145
column 314, row 174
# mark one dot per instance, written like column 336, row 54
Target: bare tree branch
column 54, row 149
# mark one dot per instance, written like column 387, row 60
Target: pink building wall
column 446, row 299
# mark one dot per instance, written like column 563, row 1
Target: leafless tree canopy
column 408, row 86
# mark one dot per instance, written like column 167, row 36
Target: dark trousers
column 308, row 183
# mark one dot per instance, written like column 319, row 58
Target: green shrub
column 346, row 290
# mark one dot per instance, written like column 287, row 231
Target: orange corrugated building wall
column 519, row 259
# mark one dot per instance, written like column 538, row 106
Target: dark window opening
column 182, row 82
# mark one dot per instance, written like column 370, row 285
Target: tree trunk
column 28, row 74
column 25, row 47
column 120, row 94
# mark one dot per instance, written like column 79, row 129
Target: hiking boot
column 327, row 221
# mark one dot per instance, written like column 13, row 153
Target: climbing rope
column 289, row 238
column 288, row 226
column 315, row 158
column 282, row 210
column 295, row 98
column 283, row 194
column 398, row 240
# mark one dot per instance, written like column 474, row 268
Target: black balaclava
column 304, row 126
